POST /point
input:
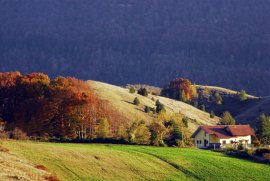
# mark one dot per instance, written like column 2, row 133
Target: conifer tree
column 160, row 108
column 227, row 119
column 212, row 114
column 263, row 129
column 143, row 91
column 146, row 109
column 242, row 95
column 203, row 107
column 136, row 101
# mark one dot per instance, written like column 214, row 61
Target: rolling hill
column 123, row 162
column 122, row 100
column 245, row 112
column 250, row 114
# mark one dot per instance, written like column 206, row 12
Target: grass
column 122, row 100
column 13, row 167
column 123, row 162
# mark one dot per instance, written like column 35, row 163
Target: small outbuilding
column 222, row 135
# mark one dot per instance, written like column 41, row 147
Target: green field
column 122, row 162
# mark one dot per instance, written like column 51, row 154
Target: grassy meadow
column 122, row 100
column 124, row 162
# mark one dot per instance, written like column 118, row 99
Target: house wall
column 201, row 136
column 214, row 139
column 237, row 139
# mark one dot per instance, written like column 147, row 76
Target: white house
column 219, row 135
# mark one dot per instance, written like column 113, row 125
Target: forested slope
column 223, row 43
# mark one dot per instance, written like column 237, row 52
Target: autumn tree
column 102, row 128
column 64, row 107
column 139, row 133
column 180, row 89
column 158, row 131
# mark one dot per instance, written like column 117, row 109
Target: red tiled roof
column 240, row 130
column 226, row 131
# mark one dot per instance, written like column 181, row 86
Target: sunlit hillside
column 121, row 99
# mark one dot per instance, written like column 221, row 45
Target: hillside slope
column 123, row 162
column 13, row 167
column 222, row 90
column 122, row 100
column 245, row 112
column 250, row 114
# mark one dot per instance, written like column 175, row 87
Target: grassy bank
column 121, row 162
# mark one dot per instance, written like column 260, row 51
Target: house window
column 199, row 142
column 224, row 142
column 231, row 141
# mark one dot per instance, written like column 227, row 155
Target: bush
column 250, row 152
column 41, row 167
column 266, row 156
column 51, row 178
column 143, row 92
column 18, row 134
column 132, row 90
column 139, row 133
column 136, row 101
column 2, row 149
column 261, row 151
column 240, row 147
column 146, row 109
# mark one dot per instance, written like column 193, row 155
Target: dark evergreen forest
column 214, row 42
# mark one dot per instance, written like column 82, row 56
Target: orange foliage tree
column 61, row 108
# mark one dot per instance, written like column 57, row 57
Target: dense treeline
column 35, row 107
column 61, row 108
column 223, row 43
